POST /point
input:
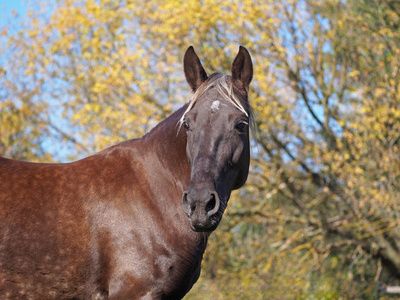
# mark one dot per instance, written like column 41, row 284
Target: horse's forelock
column 223, row 84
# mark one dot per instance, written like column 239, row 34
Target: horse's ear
column 242, row 69
column 194, row 72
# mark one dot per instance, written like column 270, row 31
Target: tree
column 318, row 217
column 326, row 170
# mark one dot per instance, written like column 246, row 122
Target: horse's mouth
column 208, row 226
column 200, row 228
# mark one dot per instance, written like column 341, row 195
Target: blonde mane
column 224, row 86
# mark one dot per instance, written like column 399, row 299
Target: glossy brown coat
column 110, row 226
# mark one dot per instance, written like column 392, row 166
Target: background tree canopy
column 319, row 216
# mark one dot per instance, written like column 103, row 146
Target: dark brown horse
column 111, row 226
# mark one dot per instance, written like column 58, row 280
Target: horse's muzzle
column 202, row 206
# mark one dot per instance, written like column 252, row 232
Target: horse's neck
column 168, row 142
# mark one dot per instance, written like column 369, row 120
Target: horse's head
column 217, row 125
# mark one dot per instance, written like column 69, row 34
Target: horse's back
column 110, row 224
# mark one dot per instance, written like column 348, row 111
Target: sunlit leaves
column 318, row 216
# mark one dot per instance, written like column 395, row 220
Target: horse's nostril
column 211, row 204
column 187, row 207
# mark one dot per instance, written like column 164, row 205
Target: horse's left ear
column 242, row 69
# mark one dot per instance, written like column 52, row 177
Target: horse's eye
column 185, row 125
column 241, row 126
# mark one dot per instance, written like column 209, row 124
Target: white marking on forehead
column 215, row 105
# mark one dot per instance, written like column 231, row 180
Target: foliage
column 318, row 218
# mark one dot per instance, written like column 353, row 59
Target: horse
column 132, row 221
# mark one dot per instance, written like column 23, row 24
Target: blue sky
column 7, row 6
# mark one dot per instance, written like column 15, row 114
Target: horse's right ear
column 194, row 72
